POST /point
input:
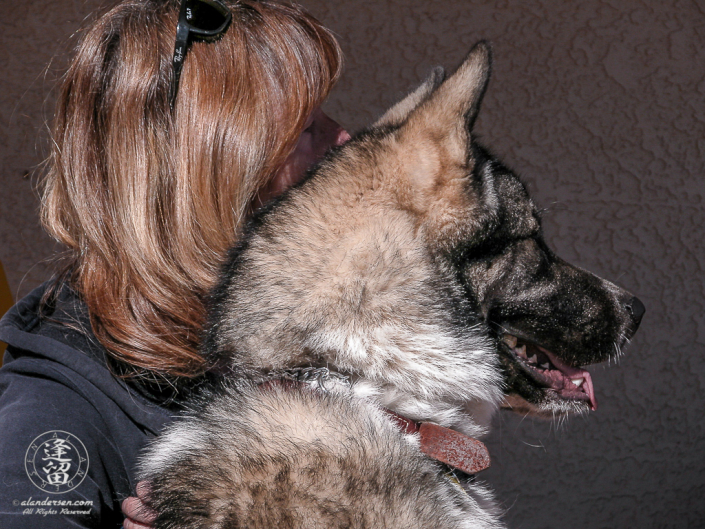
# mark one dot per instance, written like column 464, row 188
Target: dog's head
column 551, row 317
column 413, row 260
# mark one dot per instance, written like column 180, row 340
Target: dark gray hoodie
column 70, row 431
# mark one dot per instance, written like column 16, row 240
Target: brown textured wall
column 600, row 106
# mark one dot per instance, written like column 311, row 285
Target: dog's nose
column 636, row 310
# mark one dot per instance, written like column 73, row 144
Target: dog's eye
column 484, row 251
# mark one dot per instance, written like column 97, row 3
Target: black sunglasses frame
column 187, row 30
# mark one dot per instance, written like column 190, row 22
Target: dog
column 371, row 322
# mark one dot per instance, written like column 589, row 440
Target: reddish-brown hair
column 148, row 200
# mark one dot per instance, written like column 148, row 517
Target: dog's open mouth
column 549, row 373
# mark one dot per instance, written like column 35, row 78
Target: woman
column 152, row 176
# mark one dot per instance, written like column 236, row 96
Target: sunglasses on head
column 198, row 19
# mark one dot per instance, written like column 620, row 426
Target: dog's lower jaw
column 552, row 410
column 551, row 390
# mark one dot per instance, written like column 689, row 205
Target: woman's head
column 148, row 199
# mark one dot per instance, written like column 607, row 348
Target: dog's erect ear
column 398, row 113
column 460, row 95
column 435, row 138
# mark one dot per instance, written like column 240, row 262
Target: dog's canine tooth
column 521, row 351
column 578, row 381
column 546, row 366
column 533, row 359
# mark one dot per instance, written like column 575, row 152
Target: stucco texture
column 600, row 106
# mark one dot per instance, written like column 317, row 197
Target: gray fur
column 297, row 459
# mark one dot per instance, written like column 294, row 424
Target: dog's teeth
column 533, row 359
column 521, row 351
column 546, row 365
column 578, row 381
column 510, row 340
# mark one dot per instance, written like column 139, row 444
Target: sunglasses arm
column 182, row 34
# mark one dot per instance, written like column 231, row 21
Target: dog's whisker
column 540, row 445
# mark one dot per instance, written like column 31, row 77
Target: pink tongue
column 571, row 373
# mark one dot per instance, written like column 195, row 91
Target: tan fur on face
column 432, row 150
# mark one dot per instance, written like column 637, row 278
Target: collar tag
column 453, row 448
column 445, row 445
